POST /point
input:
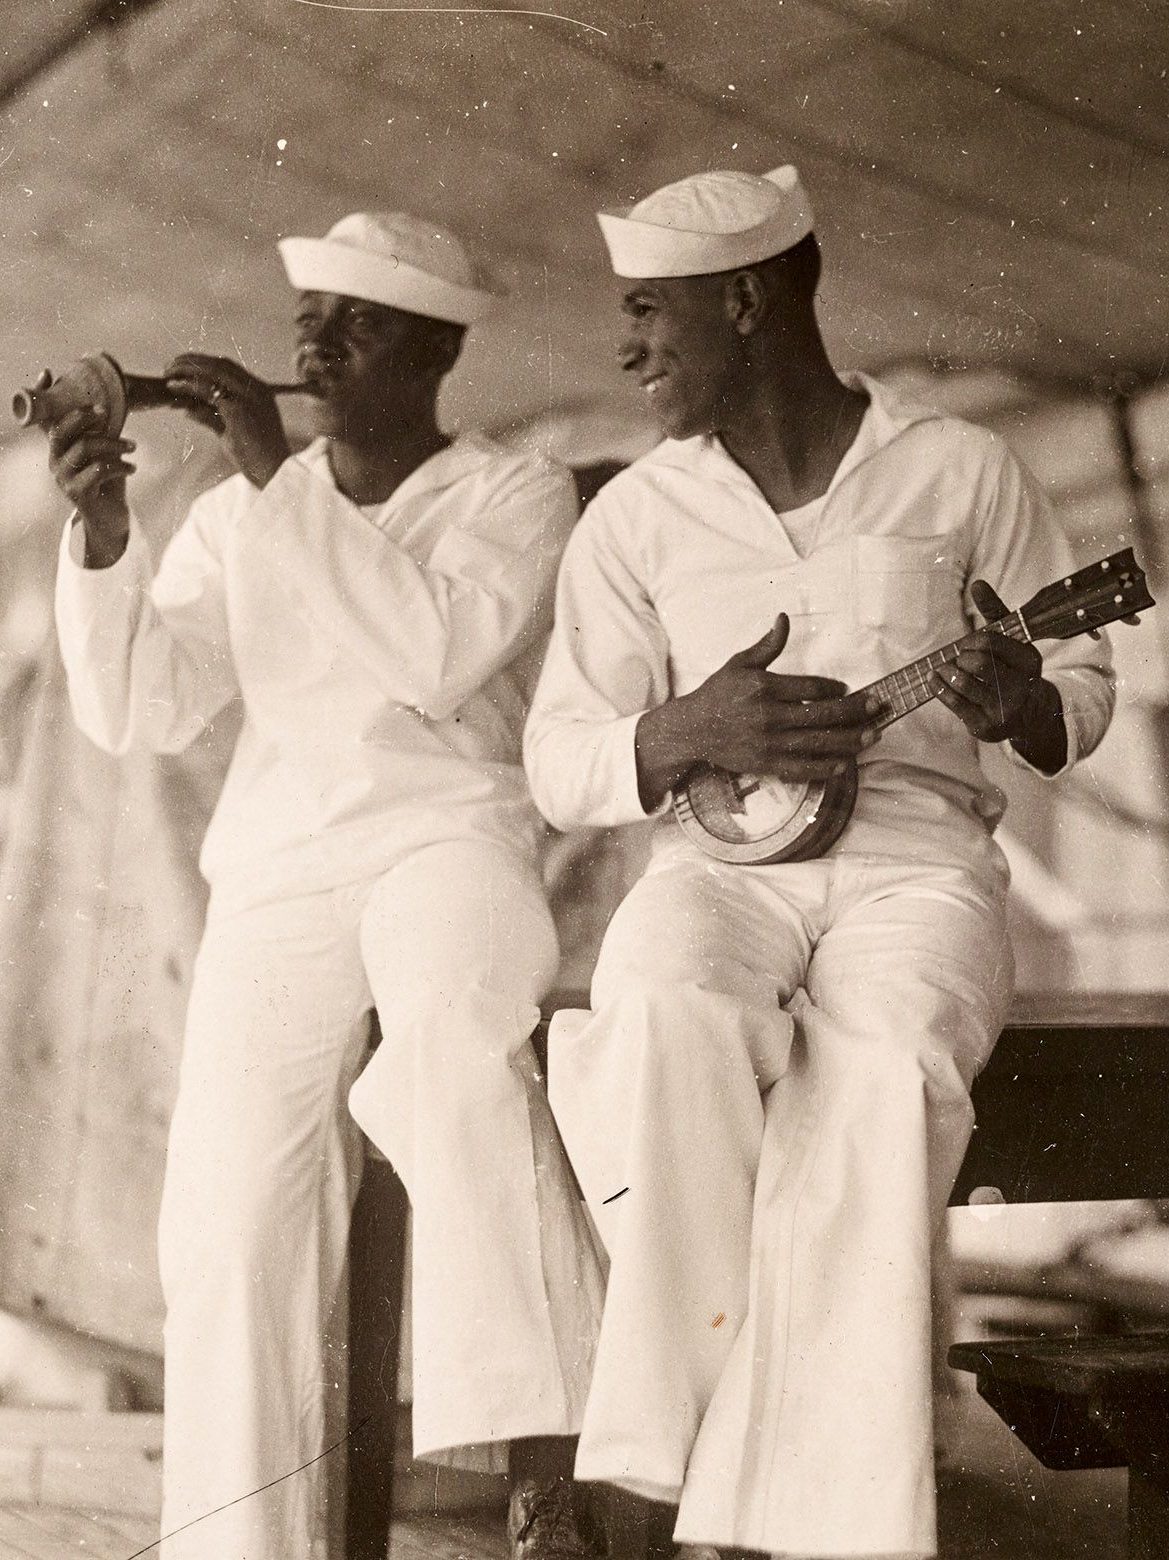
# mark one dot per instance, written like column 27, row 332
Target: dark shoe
column 542, row 1523
column 623, row 1526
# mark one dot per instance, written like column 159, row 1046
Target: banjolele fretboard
column 909, row 688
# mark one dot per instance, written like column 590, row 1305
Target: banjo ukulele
column 757, row 819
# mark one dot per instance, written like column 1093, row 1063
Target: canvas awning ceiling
column 990, row 179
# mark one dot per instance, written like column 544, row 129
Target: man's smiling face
column 681, row 343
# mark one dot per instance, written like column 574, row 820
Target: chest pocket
column 910, row 586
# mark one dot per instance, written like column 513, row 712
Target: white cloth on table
column 770, row 1100
column 374, row 843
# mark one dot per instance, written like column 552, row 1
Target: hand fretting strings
column 906, row 689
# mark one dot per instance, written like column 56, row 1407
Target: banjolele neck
column 757, row 819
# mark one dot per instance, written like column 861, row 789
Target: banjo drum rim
column 779, row 844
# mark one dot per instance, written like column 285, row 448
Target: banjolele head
column 756, row 819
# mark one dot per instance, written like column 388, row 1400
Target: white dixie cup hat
column 393, row 258
column 707, row 223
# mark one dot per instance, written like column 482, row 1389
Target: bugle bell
column 99, row 380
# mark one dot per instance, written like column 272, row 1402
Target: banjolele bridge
column 756, row 819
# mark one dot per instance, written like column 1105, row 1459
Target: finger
column 985, row 709
column 220, row 374
column 1000, row 645
column 781, row 689
column 43, row 380
column 195, row 388
column 197, row 364
column 764, row 651
column 85, row 451
column 99, row 475
column 979, row 664
column 221, row 381
column 866, row 703
column 838, row 743
column 112, row 479
column 201, row 408
column 187, row 394
column 972, row 716
column 93, row 446
column 996, row 652
column 995, row 686
column 63, row 433
column 105, row 459
column 958, row 680
column 805, row 769
column 854, row 712
column 988, row 601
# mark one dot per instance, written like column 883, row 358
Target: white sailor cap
column 393, row 258
column 708, row 222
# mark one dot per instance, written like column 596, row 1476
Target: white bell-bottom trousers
column 455, row 947
column 768, row 1179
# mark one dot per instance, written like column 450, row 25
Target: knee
column 687, row 1033
column 643, row 1013
column 939, row 1024
column 450, row 1058
column 458, row 918
column 910, row 1054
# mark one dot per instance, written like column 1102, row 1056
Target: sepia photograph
column 584, row 780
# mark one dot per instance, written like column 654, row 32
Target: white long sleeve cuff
column 97, row 611
column 585, row 775
column 147, row 656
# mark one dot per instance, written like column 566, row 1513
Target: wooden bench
column 1073, row 1106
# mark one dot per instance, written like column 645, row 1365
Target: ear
column 447, row 347
column 437, row 347
column 745, row 300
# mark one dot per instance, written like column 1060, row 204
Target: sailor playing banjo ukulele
column 769, row 1101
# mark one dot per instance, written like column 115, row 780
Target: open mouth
column 653, row 384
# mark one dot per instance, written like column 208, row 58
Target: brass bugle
column 99, row 380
